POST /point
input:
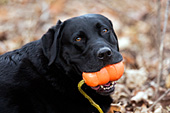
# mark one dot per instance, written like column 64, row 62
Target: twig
column 160, row 98
column 161, row 48
column 158, row 38
column 158, row 22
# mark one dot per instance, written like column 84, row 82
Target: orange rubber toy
column 108, row 73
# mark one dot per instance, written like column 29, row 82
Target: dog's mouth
column 103, row 81
column 105, row 89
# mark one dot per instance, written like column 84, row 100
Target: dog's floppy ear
column 49, row 42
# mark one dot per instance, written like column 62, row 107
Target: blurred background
column 137, row 26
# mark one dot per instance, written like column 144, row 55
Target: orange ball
column 108, row 73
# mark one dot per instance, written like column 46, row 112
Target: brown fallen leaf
column 3, row 48
column 57, row 6
column 4, row 14
column 167, row 82
column 129, row 58
column 3, row 36
column 135, row 78
column 143, row 96
column 159, row 109
column 116, row 108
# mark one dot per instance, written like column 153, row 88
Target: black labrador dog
column 42, row 76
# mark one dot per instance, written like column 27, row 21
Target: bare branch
column 159, row 99
column 161, row 48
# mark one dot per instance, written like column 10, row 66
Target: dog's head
column 82, row 44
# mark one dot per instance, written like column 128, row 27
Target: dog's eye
column 78, row 39
column 105, row 30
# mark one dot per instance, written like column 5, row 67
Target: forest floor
column 135, row 23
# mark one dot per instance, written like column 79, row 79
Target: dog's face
column 84, row 44
column 89, row 43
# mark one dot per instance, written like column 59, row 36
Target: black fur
column 42, row 76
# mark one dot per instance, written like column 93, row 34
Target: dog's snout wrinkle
column 104, row 53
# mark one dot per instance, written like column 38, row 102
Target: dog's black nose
column 104, row 53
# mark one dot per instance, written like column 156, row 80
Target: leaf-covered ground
column 135, row 23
